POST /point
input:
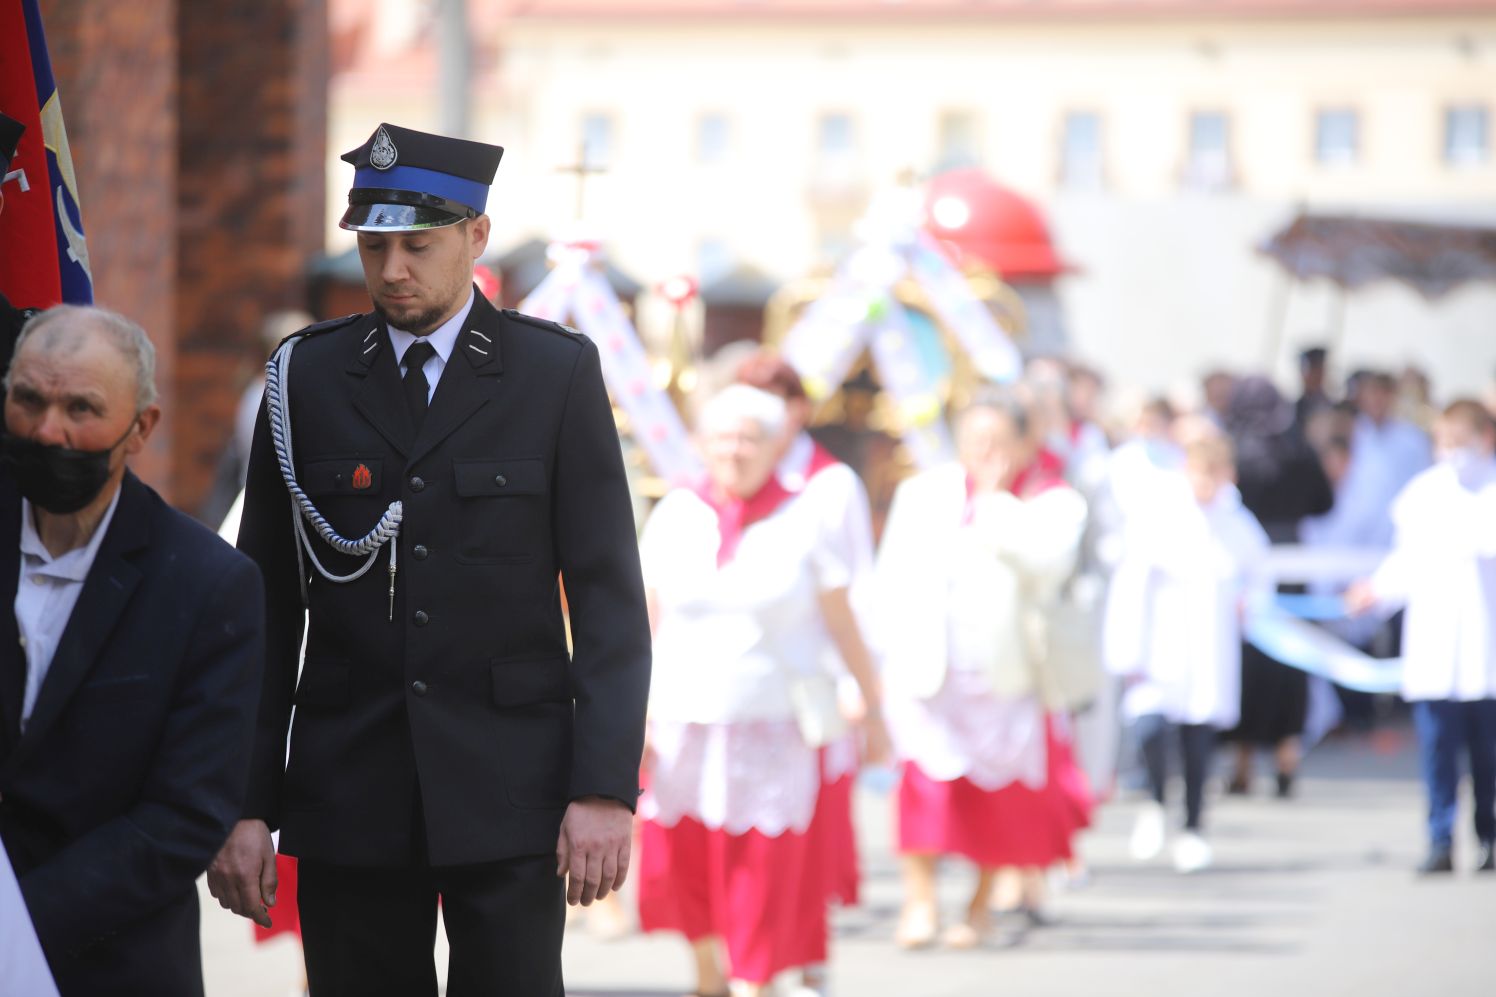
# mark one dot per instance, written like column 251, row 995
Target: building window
column 1208, row 166
column 1467, row 135
column 1336, row 136
column 958, row 141
column 713, row 139
column 597, row 140
column 1080, row 151
column 836, row 138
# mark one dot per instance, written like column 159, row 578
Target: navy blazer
column 133, row 766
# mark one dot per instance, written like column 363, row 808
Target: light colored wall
column 1169, row 281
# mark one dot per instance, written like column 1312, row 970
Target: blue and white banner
column 1280, row 635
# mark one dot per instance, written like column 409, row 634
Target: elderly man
column 130, row 668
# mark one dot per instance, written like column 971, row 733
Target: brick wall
column 116, row 79
column 250, row 152
column 198, row 130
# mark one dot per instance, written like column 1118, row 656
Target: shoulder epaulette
column 541, row 323
column 317, row 328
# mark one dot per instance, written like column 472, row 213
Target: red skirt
column 838, row 840
column 744, row 889
column 285, row 917
column 1011, row 826
column 832, row 873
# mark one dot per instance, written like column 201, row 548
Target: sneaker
column 1440, row 860
column 1148, row 833
column 1191, row 853
column 1485, row 857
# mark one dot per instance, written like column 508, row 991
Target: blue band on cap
column 469, row 193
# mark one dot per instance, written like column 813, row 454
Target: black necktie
column 416, row 385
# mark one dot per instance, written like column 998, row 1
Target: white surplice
column 1174, row 612
column 1443, row 569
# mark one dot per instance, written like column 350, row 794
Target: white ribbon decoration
column 577, row 290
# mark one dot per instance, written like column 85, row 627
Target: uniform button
column 420, row 552
column 421, row 618
column 500, row 480
column 416, row 484
column 418, row 687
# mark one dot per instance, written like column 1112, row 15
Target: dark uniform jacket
column 132, row 768
column 459, row 730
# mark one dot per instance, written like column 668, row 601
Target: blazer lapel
column 380, row 398
column 12, row 657
column 106, row 592
column 467, row 384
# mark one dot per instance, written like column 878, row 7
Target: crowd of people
column 487, row 720
column 791, row 646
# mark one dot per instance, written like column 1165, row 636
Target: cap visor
column 395, row 218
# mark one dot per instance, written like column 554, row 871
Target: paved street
column 1309, row 897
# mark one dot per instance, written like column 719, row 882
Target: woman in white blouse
column 972, row 554
column 736, row 582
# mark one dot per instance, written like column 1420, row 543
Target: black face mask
column 58, row 479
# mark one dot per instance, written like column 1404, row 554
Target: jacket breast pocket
column 503, row 509
column 348, row 492
column 118, row 689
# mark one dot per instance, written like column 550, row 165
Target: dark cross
column 581, row 169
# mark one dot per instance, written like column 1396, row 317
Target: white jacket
column 1443, row 569
column 946, row 589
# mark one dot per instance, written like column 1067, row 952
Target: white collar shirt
column 443, row 340
column 48, row 590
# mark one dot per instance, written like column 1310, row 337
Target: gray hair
column 1003, row 400
column 124, row 335
column 740, row 401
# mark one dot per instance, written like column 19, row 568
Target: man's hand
column 242, row 876
column 593, row 850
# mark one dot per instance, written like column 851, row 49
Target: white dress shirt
column 443, row 340
column 48, row 591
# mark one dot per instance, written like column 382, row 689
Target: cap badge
column 362, row 477
column 383, row 153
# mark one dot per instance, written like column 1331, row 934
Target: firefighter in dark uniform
column 421, row 478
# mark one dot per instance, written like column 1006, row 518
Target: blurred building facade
column 1165, row 140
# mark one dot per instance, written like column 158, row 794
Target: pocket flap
column 323, row 683
column 526, row 681
column 341, row 476
column 119, row 688
column 519, row 476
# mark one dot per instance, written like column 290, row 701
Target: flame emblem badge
column 362, row 477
